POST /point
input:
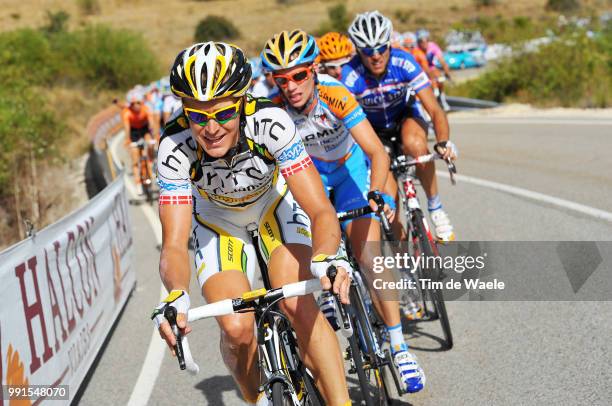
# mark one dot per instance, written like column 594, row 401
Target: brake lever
column 170, row 315
column 347, row 329
column 452, row 170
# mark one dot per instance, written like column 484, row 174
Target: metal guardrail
column 463, row 103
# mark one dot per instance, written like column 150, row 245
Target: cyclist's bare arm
column 364, row 135
column 438, row 118
column 445, row 68
column 153, row 126
column 307, row 189
column 174, row 266
column 126, row 129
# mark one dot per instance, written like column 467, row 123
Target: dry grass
column 169, row 24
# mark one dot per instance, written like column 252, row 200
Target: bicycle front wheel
column 428, row 248
column 364, row 348
column 280, row 397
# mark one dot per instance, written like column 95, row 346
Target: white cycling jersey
column 268, row 143
column 227, row 197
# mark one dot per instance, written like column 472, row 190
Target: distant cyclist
column 335, row 50
column 349, row 156
column 170, row 103
column 259, row 86
column 137, row 124
column 382, row 78
column 409, row 44
column 227, row 161
column 153, row 100
column 434, row 53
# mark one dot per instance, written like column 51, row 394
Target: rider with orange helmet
column 335, row 50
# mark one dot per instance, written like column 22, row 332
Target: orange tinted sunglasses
column 297, row 77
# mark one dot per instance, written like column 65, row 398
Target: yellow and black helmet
column 288, row 49
column 210, row 70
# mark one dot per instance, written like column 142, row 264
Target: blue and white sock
column 434, row 203
column 396, row 337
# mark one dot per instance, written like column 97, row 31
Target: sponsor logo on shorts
column 269, row 230
column 304, row 232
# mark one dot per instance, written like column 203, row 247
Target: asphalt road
column 543, row 353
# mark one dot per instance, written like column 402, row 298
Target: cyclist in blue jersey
column 349, row 157
column 384, row 81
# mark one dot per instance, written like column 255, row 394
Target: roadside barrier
column 62, row 289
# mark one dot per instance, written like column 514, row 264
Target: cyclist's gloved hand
column 389, row 208
column 447, row 149
column 342, row 282
column 179, row 299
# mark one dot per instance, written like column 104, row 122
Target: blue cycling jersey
column 386, row 100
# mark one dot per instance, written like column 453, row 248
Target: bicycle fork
column 276, row 360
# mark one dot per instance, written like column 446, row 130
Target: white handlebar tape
column 220, row 308
column 191, row 365
column 301, row 288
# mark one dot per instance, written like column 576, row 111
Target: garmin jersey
column 385, row 100
column 325, row 130
column 268, row 144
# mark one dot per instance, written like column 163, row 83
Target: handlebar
column 401, row 163
column 362, row 211
column 249, row 300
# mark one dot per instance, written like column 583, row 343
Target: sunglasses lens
column 227, row 114
column 300, row 76
column 197, row 118
column 371, row 51
column 281, row 81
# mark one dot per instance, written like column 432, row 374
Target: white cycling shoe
column 411, row 375
column 441, row 222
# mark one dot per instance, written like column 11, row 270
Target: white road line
column 527, row 121
column 513, row 190
column 155, row 353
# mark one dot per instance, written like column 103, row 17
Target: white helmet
column 370, row 30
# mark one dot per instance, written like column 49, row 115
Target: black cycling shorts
column 138, row 133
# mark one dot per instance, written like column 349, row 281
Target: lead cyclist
column 226, row 161
column 382, row 79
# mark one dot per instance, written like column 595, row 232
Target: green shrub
column 104, row 57
column 26, row 55
column 215, row 28
column 572, row 71
column 56, row 21
column 337, row 20
column 28, row 128
column 563, row 6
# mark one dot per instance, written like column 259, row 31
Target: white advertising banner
column 60, row 293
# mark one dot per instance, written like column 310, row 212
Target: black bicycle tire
column 436, row 295
column 279, row 397
column 314, row 397
column 364, row 383
column 361, row 321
